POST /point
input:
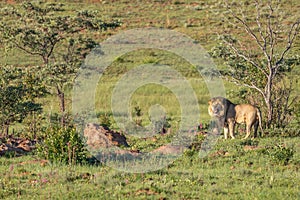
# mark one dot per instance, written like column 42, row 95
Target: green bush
column 290, row 131
column 62, row 144
column 280, row 154
column 105, row 120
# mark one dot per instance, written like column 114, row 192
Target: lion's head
column 217, row 107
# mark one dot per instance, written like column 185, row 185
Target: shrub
column 291, row 131
column 105, row 120
column 138, row 115
column 62, row 144
column 195, row 146
column 280, row 154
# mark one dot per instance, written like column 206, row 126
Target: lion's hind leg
column 255, row 129
column 248, row 131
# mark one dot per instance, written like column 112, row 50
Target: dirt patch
column 251, row 148
column 169, row 149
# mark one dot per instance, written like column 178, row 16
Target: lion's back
column 245, row 112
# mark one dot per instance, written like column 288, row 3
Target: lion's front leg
column 225, row 132
column 231, row 124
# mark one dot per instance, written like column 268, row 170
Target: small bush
column 138, row 115
column 62, row 144
column 197, row 142
column 283, row 132
column 105, row 120
column 280, row 154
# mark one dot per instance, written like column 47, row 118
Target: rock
column 24, row 145
column 100, row 137
column 18, row 145
column 3, row 149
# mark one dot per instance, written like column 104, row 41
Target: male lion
column 229, row 114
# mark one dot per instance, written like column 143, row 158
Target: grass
column 151, row 94
column 230, row 170
column 202, row 21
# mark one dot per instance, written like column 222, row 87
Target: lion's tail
column 260, row 121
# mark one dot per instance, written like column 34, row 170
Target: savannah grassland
column 264, row 168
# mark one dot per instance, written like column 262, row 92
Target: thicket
column 57, row 45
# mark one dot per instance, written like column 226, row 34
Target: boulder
column 100, row 137
column 18, row 145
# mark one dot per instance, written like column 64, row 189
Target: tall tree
column 258, row 55
column 42, row 30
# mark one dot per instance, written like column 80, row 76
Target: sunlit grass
column 229, row 169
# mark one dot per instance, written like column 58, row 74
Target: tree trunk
column 61, row 97
column 270, row 114
column 5, row 129
column 62, row 108
column 268, row 98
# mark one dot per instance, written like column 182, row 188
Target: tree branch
column 25, row 50
column 271, row 36
column 262, row 45
column 247, row 28
column 245, row 57
column 293, row 32
column 264, row 38
column 238, row 82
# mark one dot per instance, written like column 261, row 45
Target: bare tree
column 258, row 55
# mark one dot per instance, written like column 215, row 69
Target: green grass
column 228, row 172
column 151, row 94
column 202, row 21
